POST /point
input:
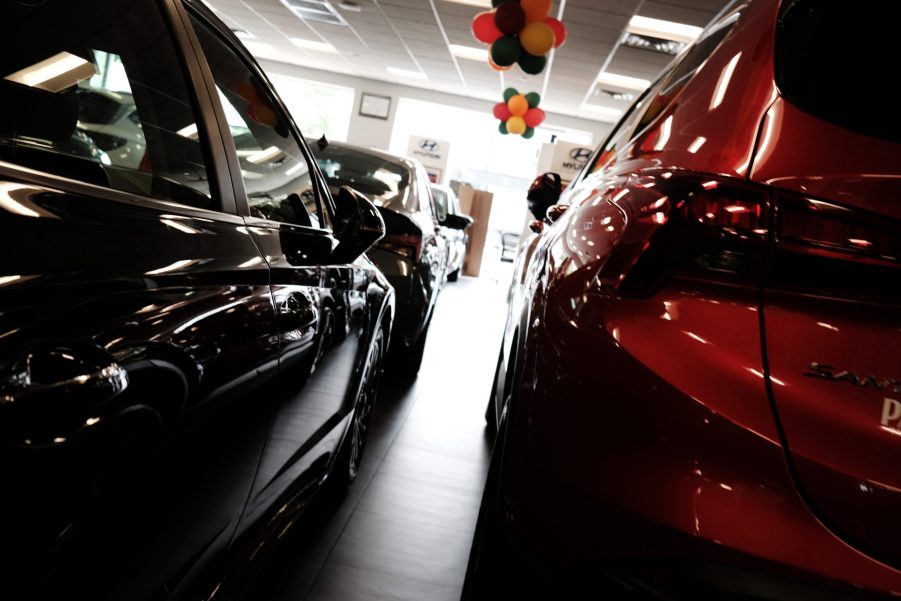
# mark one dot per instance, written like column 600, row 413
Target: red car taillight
column 719, row 228
column 405, row 245
column 825, row 248
column 686, row 223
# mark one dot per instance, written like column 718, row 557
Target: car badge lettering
column 830, row 373
column 891, row 415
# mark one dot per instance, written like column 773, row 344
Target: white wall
column 376, row 133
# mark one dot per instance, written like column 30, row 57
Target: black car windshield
column 385, row 182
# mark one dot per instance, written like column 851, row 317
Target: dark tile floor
column 404, row 529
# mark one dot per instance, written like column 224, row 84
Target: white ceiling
column 414, row 35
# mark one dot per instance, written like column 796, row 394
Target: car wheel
column 490, row 410
column 354, row 446
column 454, row 275
column 405, row 361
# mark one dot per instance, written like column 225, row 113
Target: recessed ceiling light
column 475, row 54
column 667, row 30
column 623, row 81
column 315, row 10
column 646, row 42
column 480, row 3
column 313, row 45
column 407, row 73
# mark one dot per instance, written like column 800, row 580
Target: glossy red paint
column 661, row 407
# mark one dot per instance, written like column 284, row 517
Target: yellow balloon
column 518, row 105
column 536, row 10
column 516, row 125
column 537, row 38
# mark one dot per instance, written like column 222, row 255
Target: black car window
column 441, row 203
column 277, row 176
column 839, row 76
column 385, row 182
column 95, row 91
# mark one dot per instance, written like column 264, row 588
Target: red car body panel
column 652, row 427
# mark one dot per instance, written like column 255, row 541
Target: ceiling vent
column 613, row 94
column 315, row 10
column 645, row 42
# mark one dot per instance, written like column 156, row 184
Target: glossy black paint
column 175, row 383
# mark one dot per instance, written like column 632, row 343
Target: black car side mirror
column 544, row 193
column 457, row 222
column 359, row 225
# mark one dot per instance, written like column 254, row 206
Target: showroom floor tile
column 404, row 529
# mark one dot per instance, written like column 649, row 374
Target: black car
column 190, row 344
column 413, row 254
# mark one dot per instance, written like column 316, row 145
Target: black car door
column 321, row 307
column 138, row 338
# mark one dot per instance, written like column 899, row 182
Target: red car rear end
column 700, row 388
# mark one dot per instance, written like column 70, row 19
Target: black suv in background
column 414, row 252
column 190, row 339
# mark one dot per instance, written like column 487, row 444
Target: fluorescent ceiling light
column 480, row 3
column 407, row 73
column 56, row 73
column 259, row 47
column 603, row 111
column 189, row 131
column 623, row 81
column 666, row 30
column 264, row 155
column 475, row 54
column 315, row 46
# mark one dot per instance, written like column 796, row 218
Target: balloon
column 531, row 64
column 510, row 93
column 505, row 51
column 484, row 29
column 509, row 17
column 501, row 111
column 516, row 126
column 537, row 38
column 503, row 128
column 530, row 131
column 496, row 3
column 536, row 10
column 533, row 117
column 559, row 31
column 533, row 99
column 518, row 105
column 497, row 67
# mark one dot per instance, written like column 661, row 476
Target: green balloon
column 496, row 3
column 531, row 64
column 533, row 98
column 503, row 128
column 530, row 131
column 505, row 51
column 510, row 93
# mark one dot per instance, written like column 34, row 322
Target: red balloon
column 484, row 29
column 509, row 17
column 534, row 117
column 559, row 31
column 501, row 111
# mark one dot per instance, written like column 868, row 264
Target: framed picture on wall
column 372, row 105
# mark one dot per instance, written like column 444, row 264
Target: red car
column 699, row 391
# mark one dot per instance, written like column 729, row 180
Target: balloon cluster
column 519, row 32
column 519, row 113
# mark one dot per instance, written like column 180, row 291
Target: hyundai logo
column 428, row 145
column 580, row 154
